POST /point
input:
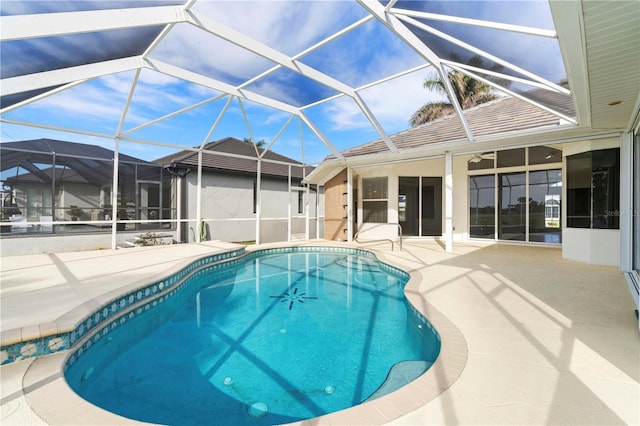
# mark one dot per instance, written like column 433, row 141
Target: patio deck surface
column 545, row 340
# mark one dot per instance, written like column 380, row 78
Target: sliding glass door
column 408, row 205
column 512, row 206
column 545, row 207
column 482, row 206
column 420, row 206
column 529, row 206
column 432, row 206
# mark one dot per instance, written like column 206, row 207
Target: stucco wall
column 594, row 246
column 334, row 212
column 226, row 196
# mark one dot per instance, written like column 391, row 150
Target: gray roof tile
column 228, row 164
column 495, row 117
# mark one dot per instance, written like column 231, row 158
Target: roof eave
column 540, row 136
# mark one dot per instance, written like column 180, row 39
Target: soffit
column 612, row 40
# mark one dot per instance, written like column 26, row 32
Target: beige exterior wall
column 227, row 208
column 595, row 246
column 421, row 168
column 335, row 214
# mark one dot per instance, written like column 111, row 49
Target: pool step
column 399, row 375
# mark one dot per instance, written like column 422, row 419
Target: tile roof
column 500, row 116
column 61, row 176
column 75, row 162
column 70, row 149
column 242, row 159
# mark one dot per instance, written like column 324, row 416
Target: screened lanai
column 221, row 122
column 309, row 80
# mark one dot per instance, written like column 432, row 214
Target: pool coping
column 65, row 332
column 45, row 377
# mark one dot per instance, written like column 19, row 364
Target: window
column 544, row 155
column 374, row 200
column 511, row 157
column 300, row 202
column 515, row 158
column 523, row 202
column 593, row 181
column 482, row 161
column 606, row 189
column 39, row 202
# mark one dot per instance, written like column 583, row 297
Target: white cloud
column 343, row 113
column 85, row 101
column 287, row 26
column 395, row 101
column 392, row 103
column 119, row 83
column 274, row 22
column 203, row 53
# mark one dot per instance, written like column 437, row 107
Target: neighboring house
column 554, row 185
column 233, row 197
column 48, row 180
column 53, row 181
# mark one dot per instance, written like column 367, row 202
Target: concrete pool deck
column 545, row 340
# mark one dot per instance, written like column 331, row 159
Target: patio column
column 448, row 200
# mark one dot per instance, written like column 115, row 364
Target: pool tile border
column 46, row 339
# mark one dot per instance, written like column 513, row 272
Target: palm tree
column 259, row 143
column 469, row 93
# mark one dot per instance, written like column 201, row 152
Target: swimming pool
column 274, row 338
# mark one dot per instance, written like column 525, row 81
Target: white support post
column 258, row 200
column 289, row 227
column 116, row 163
column 306, row 208
column 349, row 208
column 199, row 199
column 114, row 193
column 179, row 183
column 448, row 199
column 317, row 204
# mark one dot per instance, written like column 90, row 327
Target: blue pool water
column 270, row 340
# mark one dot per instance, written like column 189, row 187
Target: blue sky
column 360, row 57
